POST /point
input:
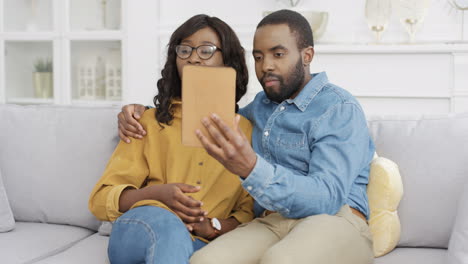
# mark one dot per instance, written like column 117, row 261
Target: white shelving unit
column 86, row 41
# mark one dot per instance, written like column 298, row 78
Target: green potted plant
column 42, row 78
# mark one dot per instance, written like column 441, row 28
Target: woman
column 169, row 200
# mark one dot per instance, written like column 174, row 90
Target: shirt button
column 200, row 163
column 249, row 188
column 266, row 133
column 198, row 182
column 282, row 108
column 266, row 101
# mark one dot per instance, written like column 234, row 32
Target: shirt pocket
column 292, row 150
column 291, row 140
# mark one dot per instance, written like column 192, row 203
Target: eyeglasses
column 205, row 52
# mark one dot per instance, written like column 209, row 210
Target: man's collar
column 309, row 91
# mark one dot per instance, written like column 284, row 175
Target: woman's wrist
column 214, row 232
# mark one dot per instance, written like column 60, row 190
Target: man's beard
column 286, row 90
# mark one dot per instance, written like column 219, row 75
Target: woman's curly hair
column 169, row 86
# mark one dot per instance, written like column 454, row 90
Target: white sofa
column 51, row 157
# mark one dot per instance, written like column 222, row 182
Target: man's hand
column 231, row 147
column 128, row 122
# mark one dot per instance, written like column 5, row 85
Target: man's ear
column 308, row 55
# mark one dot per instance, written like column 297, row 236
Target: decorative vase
column 43, row 84
column 412, row 14
column 317, row 20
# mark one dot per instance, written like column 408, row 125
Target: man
column 309, row 164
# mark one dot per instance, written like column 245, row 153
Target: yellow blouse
column 160, row 158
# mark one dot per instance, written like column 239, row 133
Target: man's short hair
column 297, row 23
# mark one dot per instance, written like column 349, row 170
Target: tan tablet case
column 206, row 90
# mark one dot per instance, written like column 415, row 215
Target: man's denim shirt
column 313, row 151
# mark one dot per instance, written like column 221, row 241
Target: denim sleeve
column 246, row 111
column 339, row 144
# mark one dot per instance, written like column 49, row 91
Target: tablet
column 206, row 90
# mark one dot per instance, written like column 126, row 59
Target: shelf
column 360, row 48
column 95, row 35
column 96, row 70
column 30, row 101
column 29, row 36
column 84, row 39
column 96, row 103
column 22, row 60
column 80, row 35
column 418, row 48
column 31, row 16
column 92, row 15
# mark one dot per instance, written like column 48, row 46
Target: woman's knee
column 158, row 222
column 150, row 224
column 147, row 231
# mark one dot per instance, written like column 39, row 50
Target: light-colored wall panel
column 404, row 106
column 346, row 24
column 425, row 75
column 143, row 46
column 387, row 79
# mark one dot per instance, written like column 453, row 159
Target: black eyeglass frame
column 196, row 49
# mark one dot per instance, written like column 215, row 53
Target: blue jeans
column 150, row 234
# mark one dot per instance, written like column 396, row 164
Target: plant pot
column 43, row 84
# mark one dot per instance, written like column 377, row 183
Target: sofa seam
column 56, row 251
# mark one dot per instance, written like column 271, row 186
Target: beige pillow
column 385, row 191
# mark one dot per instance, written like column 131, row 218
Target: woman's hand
column 202, row 229
column 205, row 229
column 173, row 195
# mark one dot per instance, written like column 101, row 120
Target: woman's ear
column 308, row 55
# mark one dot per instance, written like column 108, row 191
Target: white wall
column 347, row 22
column 428, row 77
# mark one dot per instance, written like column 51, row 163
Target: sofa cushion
column 414, row 256
column 7, row 222
column 60, row 154
column 384, row 191
column 91, row 250
column 30, row 242
column 431, row 153
column 458, row 245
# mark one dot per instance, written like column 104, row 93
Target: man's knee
column 273, row 256
column 276, row 256
column 204, row 256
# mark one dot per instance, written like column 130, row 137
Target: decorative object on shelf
column 31, row 25
column 91, row 78
column 460, row 5
column 98, row 14
column 377, row 15
column 290, row 3
column 412, row 14
column 100, row 77
column 100, row 81
column 103, row 13
column 317, row 20
column 43, row 78
column 113, row 75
